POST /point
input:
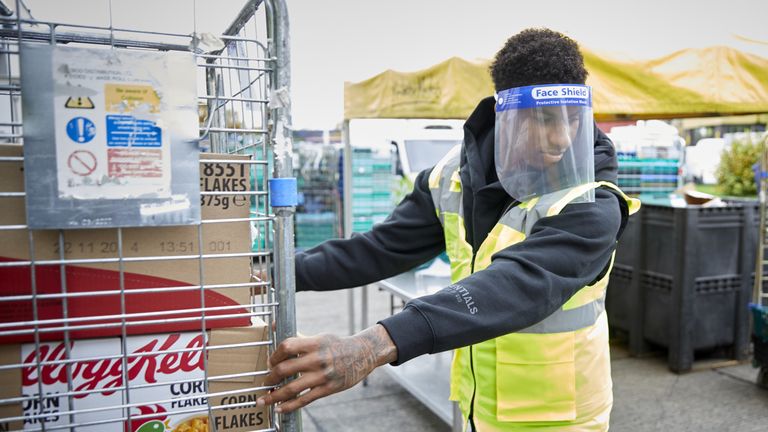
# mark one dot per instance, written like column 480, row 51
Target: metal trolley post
column 283, row 186
column 758, row 307
column 245, row 119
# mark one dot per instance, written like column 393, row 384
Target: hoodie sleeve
column 524, row 284
column 411, row 235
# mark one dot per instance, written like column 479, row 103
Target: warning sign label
column 82, row 162
column 81, row 130
column 117, row 149
column 79, row 103
column 120, row 146
column 128, row 131
column 126, row 97
column 135, row 163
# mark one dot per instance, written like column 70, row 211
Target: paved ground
column 647, row 396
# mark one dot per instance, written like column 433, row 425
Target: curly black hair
column 538, row 56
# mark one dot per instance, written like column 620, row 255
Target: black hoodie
column 525, row 282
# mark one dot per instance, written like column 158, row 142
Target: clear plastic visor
column 544, row 149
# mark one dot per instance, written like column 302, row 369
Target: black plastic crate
column 761, row 352
column 619, row 306
column 683, row 280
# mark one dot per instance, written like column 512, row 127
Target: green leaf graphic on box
column 152, row 426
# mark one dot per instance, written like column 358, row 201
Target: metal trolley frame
column 759, row 306
column 245, row 111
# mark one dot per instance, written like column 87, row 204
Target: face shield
column 544, row 140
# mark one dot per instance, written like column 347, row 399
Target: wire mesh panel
column 146, row 328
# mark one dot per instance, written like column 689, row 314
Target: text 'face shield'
column 544, row 140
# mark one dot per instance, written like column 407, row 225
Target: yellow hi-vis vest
column 552, row 376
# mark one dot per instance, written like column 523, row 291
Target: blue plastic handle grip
column 283, row 192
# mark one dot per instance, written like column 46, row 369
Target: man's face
column 550, row 132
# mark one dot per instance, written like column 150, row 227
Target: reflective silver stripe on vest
column 444, row 199
column 523, row 219
column 569, row 320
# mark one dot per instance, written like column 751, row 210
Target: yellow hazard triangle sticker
column 79, row 102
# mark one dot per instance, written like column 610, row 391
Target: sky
column 333, row 41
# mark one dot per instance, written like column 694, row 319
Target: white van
column 422, row 143
column 702, row 159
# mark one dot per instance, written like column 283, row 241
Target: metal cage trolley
column 146, row 223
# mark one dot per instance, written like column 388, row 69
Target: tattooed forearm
column 380, row 343
column 351, row 359
column 326, row 364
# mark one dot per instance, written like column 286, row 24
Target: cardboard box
column 164, row 407
column 217, row 238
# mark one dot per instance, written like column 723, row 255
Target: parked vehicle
column 702, row 159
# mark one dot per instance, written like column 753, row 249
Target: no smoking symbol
column 82, row 162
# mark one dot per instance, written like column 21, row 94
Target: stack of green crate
column 314, row 228
column 317, row 215
column 372, row 182
column 648, row 176
column 259, row 208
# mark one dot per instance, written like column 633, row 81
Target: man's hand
column 327, row 364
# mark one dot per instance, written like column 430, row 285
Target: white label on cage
column 104, row 377
column 115, row 112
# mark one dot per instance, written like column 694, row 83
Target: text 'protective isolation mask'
column 544, row 139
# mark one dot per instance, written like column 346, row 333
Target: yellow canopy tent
column 688, row 83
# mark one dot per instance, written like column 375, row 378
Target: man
column 528, row 217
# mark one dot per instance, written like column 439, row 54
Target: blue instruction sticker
column 128, row 131
column 81, row 130
column 544, row 95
